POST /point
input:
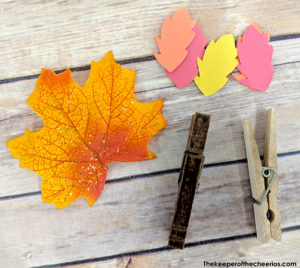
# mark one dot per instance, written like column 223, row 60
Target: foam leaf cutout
column 176, row 35
column 85, row 128
column 254, row 55
column 219, row 60
column 185, row 73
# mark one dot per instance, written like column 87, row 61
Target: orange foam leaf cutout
column 85, row 128
column 176, row 35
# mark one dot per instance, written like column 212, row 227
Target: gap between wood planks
column 128, row 61
column 162, row 249
column 176, row 170
column 151, row 174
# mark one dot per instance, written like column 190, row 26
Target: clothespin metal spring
column 266, row 172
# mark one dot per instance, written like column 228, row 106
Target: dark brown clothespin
column 189, row 178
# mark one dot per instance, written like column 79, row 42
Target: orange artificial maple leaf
column 85, row 128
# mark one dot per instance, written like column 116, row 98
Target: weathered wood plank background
column 129, row 224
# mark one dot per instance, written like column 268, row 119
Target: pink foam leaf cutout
column 176, row 35
column 254, row 56
column 188, row 69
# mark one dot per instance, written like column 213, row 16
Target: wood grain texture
column 189, row 177
column 136, row 215
column 257, row 183
column 57, row 34
column 250, row 250
column 123, row 219
column 225, row 140
column 270, row 160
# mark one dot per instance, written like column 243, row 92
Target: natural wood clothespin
column 264, row 180
column 188, row 178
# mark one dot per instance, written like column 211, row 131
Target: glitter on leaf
column 85, row 128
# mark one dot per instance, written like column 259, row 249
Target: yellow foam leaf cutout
column 219, row 60
column 85, row 128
